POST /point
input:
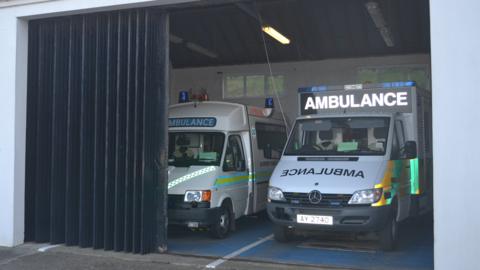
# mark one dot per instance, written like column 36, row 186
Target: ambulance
column 358, row 160
column 220, row 158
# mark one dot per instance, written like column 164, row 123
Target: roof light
column 312, row 89
column 183, row 97
column 269, row 103
column 398, row 84
column 275, row 34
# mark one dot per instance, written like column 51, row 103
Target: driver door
column 401, row 175
column 234, row 180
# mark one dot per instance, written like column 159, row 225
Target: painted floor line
column 225, row 258
column 43, row 249
column 338, row 249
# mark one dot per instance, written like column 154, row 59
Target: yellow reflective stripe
column 386, row 184
column 230, row 180
column 260, row 176
column 190, row 176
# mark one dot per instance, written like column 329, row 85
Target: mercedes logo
column 315, row 197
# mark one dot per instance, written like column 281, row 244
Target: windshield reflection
column 339, row 136
column 195, row 148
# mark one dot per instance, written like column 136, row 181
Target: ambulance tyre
column 221, row 227
column 389, row 234
column 282, row 233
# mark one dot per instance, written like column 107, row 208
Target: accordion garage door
column 96, row 130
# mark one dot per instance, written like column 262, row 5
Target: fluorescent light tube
column 192, row 46
column 175, row 39
column 379, row 21
column 376, row 14
column 201, row 50
column 387, row 36
column 276, row 35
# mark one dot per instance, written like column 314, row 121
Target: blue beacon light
column 183, row 97
column 269, row 103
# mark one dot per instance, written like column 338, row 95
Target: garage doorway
column 221, row 51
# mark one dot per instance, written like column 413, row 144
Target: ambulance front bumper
column 345, row 219
column 193, row 217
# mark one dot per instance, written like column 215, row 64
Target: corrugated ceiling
column 318, row 29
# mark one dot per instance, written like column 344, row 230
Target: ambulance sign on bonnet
column 381, row 100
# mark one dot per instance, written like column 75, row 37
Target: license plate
column 311, row 219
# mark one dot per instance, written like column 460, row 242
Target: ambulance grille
column 327, row 199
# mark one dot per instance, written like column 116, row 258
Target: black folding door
column 96, row 130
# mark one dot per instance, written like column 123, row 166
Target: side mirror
column 228, row 164
column 240, row 165
column 267, row 151
column 225, row 167
column 410, row 149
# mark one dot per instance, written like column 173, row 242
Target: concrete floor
column 28, row 257
column 250, row 247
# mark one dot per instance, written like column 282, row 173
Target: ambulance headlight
column 197, row 196
column 275, row 194
column 366, row 196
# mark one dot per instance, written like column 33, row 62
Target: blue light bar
column 398, row 84
column 269, row 103
column 321, row 88
column 183, row 97
column 313, row 89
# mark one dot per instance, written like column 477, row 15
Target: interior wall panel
column 96, row 130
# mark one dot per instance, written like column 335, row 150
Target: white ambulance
column 358, row 159
column 220, row 158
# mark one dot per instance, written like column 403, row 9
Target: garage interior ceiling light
column 275, row 34
column 192, row 46
column 379, row 21
column 176, row 39
column 199, row 49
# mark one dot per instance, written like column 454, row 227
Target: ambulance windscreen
column 187, row 149
column 339, row 136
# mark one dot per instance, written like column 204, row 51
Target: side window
column 234, row 156
column 270, row 139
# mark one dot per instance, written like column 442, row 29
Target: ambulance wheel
column 222, row 227
column 389, row 234
column 282, row 233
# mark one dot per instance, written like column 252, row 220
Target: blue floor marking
column 414, row 251
column 291, row 253
column 249, row 230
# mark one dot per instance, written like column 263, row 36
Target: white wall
column 455, row 72
column 8, row 233
column 13, row 89
column 298, row 74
